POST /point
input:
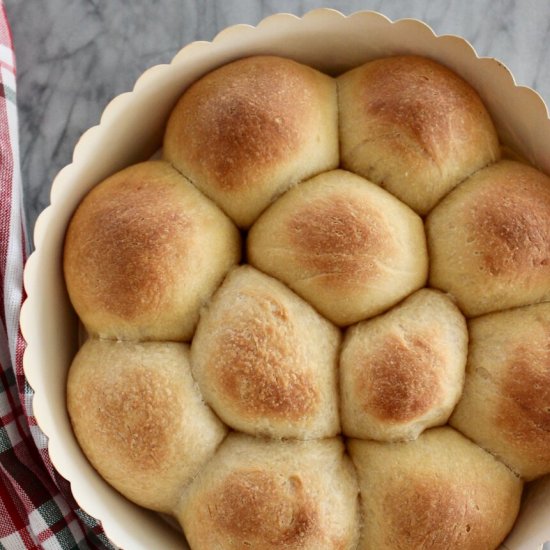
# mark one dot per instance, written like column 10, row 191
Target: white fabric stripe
column 40, row 439
column 13, row 281
column 37, row 522
column 13, row 542
column 5, row 348
column 13, row 436
column 8, row 78
column 52, row 543
column 6, row 55
column 39, row 525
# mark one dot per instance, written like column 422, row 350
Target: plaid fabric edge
column 37, row 509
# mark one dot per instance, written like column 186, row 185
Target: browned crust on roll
column 143, row 251
column 265, row 360
column 421, row 98
column 489, row 239
column 414, row 127
column 335, row 237
column 524, row 410
column 422, row 514
column 507, row 388
column 346, row 246
column 513, row 223
column 117, row 250
column 249, row 497
column 273, row 495
column 139, row 418
column 253, row 122
column 250, row 129
column 440, row 491
column 403, row 372
column 257, row 367
column 401, row 379
column 128, row 412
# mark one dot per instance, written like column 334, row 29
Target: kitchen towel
column 37, row 509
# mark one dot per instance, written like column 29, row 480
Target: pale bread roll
column 271, row 495
column 403, row 372
column 440, row 492
column 265, row 360
column 489, row 240
column 139, row 418
column 143, row 251
column 346, row 246
column 247, row 131
column 505, row 407
column 414, row 127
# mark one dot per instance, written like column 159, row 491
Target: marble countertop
column 73, row 56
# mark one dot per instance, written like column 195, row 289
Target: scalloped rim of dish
column 197, row 58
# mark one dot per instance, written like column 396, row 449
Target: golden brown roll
column 489, row 239
column 505, row 407
column 139, row 418
column 265, row 360
column 247, row 131
column 403, row 371
column 143, row 252
column 345, row 245
column 273, row 495
column 440, row 492
column 414, row 127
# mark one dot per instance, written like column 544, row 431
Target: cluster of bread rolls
column 322, row 319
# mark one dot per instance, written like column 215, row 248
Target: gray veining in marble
column 73, row 56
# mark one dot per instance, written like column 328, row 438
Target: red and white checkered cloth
column 37, row 509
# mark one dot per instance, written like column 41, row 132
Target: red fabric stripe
column 8, row 501
column 6, row 36
column 6, row 419
column 13, row 506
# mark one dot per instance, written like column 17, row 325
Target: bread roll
column 506, row 403
column 346, row 246
column 143, row 251
column 403, row 371
column 489, row 240
column 273, row 496
column 414, row 127
column 440, row 492
column 139, row 418
column 265, row 360
column 247, row 131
